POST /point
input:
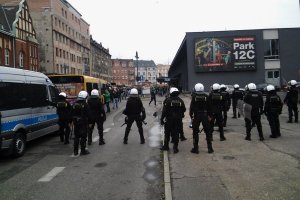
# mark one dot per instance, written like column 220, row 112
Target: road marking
column 48, row 177
column 106, row 130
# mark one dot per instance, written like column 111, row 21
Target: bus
column 72, row 84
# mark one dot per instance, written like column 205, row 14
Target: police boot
column 248, row 137
column 84, row 152
column 75, row 152
column 89, row 137
column 261, row 136
column 165, row 147
column 175, row 148
column 142, row 139
column 296, row 117
column 126, row 137
column 195, row 149
column 209, row 147
column 222, row 137
column 101, row 140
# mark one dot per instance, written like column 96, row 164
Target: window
column 271, row 49
column 53, row 93
column 21, row 59
column 276, row 74
column 6, row 57
column 13, row 96
column 39, row 95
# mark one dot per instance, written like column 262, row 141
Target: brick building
column 63, row 35
column 100, row 61
column 18, row 43
column 123, row 72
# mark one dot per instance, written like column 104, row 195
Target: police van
column 27, row 110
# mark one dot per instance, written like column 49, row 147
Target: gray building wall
column 184, row 66
column 227, row 78
column 289, row 41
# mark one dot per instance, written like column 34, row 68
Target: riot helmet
column 270, row 88
column 199, row 87
column 63, row 94
column 216, row 86
column 95, row 92
column 174, row 92
column 236, row 86
column 82, row 94
column 251, row 86
column 293, row 82
column 134, row 91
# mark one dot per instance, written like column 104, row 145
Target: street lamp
column 137, row 67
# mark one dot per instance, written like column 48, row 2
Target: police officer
column 291, row 99
column 199, row 109
column 255, row 99
column 96, row 115
column 64, row 117
column 272, row 109
column 236, row 95
column 134, row 109
column 80, row 120
column 173, row 111
column 217, row 104
column 227, row 103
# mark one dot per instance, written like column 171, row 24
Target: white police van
column 27, row 108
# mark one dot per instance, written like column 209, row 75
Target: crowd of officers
column 211, row 109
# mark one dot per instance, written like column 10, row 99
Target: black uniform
column 173, row 111
column 200, row 108
column 217, row 104
column 291, row 99
column 236, row 95
column 96, row 115
column 80, row 120
column 255, row 99
column 64, row 110
column 272, row 109
column 134, row 109
column 227, row 103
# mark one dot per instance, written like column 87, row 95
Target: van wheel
column 18, row 145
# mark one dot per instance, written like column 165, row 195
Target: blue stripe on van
column 10, row 125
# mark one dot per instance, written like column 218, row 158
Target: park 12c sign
column 225, row 54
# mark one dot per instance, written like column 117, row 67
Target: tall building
column 123, row 72
column 63, row 35
column 18, row 43
column 146, row 70
column 162, row 70
column 100, row 61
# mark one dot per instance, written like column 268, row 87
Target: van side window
column 89, row 87
column 39, row 95
column 53, row 93
column 13, row 96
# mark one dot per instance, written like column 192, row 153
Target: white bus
column 27, row 108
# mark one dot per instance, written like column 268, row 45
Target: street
column 48, row 170
column 238, row 169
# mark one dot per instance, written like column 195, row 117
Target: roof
column 8, row 10
column 145, row 63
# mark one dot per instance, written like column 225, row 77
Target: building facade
column 63, row 35
column 162, row 70
column 18, row 43
column 100, row 62
column 123, row 72
column 146, row 70
column 241, row 56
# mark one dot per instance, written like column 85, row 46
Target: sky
column 156, row 28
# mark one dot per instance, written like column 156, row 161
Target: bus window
column 95, row 86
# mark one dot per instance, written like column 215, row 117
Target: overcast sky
column 156, row 28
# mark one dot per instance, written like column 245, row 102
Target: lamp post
column 137, row 67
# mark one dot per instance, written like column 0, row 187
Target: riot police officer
column 173, row 112
column 96, row 115
column 217, row 104
column 272, row 109
column 134, row 111
column 236, row 95
column 64, row 117
column 255, row 99
column 227, row 103
column 80, row 120
column 199, row 109
column 291, row 99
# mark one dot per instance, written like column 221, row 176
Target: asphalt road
column 113, row 171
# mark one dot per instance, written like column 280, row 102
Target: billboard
column 225, row 54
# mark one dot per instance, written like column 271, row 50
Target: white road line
column 48, row 177
column 106, row 130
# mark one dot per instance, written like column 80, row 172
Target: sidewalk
column 238, row 169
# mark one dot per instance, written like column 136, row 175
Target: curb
column 167, row 179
